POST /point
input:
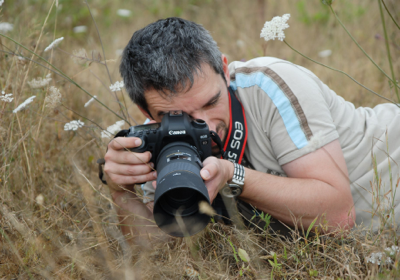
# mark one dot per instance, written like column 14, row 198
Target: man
column 297, row 128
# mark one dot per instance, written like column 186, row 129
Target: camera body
column 178, row 146
column 175, row 126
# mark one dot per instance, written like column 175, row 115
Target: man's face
column 207, row 100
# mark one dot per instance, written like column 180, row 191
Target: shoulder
column 272, row 67
column 274, row 76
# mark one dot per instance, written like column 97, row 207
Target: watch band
column 235, row 186
column 238, row 174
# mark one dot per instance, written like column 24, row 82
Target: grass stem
column 344, row 73
column 359, row 46
column 388, row 50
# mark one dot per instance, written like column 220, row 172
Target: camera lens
column 180, row 189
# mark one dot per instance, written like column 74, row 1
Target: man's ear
column 144, row 112
column 226, row 70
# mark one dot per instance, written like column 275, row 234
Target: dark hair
column 166, row 55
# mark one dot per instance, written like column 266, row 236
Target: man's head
column 166, row 56
column 174, row 64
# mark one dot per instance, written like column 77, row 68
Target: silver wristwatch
column 235, row 186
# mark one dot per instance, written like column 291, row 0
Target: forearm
column 135, row 218
column 288, row 198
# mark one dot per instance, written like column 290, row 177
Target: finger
column 154, row 184
column 209, row 170
column 122, row 143
column 129, row 169
column 131, row 180
column 127, row 157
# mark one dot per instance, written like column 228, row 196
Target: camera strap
column 237, row 134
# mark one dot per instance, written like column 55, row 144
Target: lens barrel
column 180, row 189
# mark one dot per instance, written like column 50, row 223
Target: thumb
column 205, row 174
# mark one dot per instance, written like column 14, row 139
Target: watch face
column 231, row 190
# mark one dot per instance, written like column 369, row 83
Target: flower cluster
column 54, row 98
column 54, row 44
column 124, row 13
column 6, row 97
column 80, row 29
column 73, row 125
column 5, row 27
column 112, row 129
column 377, row 258
column 117, row 86
column 40, row 82
column 274, row 29
column 90, row 101
column 24, row 104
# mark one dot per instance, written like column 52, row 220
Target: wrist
column 230, row 168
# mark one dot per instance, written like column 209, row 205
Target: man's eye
column 211, row 104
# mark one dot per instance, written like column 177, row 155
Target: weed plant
column 57, row 221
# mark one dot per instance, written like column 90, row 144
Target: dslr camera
column 178, row 145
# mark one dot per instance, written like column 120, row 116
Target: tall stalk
column 344, row 73
column 388, row 49
column 359, row 46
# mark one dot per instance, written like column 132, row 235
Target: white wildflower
column 40, row 82
column 124, row 13
column 79, row 56
column 24, row 104
column 119, row 52
column 54, row 98
column 73, row 125
column 112, row 129
column 241, row 44
column 117, row 86
column 376, row 258
column 5, row 27
column 325, row 53
column 80, row 29
column 392, row 251
column 90, row 101
column 39, row 199
column 1, row 2
column 274, row 29
column 54, row 44
column 6, row 97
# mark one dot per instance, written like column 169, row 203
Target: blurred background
column 55, row 213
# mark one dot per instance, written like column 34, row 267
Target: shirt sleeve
column 148, row 192
column 300, row 121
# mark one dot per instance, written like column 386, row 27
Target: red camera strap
column 236, row 139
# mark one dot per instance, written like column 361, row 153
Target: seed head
column 54, row 98
column 40, row 82
column 54, row 44
column 24, row 104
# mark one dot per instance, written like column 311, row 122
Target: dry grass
column 57, row 220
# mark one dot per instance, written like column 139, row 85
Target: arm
column 317, row 184
column 123, row 169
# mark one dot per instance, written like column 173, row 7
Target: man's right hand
column 125, row 168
